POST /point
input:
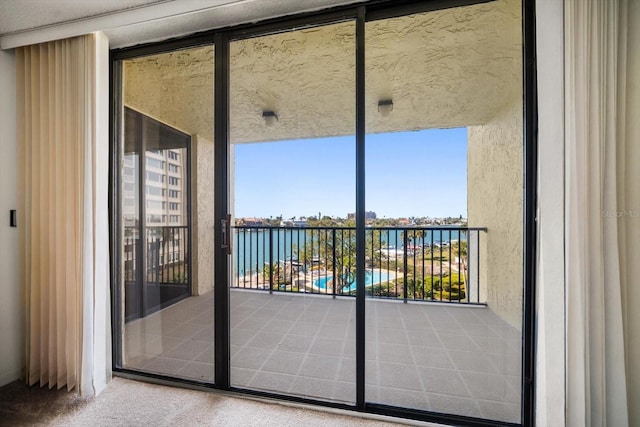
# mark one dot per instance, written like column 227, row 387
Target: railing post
column 450, row 271
column 460, row 264
column 478, row 264
column 333, row 264
column 271, row 260
column 405, row 265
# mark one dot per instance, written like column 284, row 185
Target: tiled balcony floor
column 450, row 359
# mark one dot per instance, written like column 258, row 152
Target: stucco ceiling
column 451, row 68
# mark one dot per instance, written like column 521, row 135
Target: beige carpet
column 133, row 403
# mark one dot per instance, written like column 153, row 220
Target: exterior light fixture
column 269, row 117
column 385, row 106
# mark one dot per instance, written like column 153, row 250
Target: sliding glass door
column 444, row 171
column 292, row 103
column 354, row 220
column 166, row 230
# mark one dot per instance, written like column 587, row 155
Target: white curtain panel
column 597, row 188
column 63, row 190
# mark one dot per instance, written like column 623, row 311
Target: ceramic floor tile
column 398, row 375
column 414, row 399
column 490, row 387
column 327, row 346
column 165, row 365
column 198, row 371
column 457, row 342
column 315, row 388
column 250, row 357
column 455, row 360
column 187, row 350
column 272, row 381
column 442, row 381
column 284, row 362
column 501, row 411
column 447, row 404
column 433, row 357
column 473, row 361
column 317, row 366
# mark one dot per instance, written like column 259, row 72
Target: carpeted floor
column 133, row 403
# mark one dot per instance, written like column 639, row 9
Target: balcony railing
column 166, row 255
column 156, row 269
column 439, row 264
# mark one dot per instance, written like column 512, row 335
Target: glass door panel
column 293, row 196
column 167, row 214
column 444, row 184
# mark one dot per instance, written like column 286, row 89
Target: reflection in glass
column 167, row 159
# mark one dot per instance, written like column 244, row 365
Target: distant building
column 165, row 202
column 367, row 215
column 165, row 189
column 251, row 222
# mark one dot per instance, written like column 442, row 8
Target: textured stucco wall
column 202, row 205
column 442, row 69
column 494, row 201
column 450, row 68
column 175, row 88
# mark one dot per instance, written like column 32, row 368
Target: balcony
column 435, row 346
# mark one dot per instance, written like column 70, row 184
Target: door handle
column 226, row 234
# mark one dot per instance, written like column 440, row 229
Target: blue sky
column 421, row 173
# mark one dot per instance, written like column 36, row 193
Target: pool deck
column 439, row 357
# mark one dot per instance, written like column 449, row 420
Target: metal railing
column 166, row 256
column 409, row 263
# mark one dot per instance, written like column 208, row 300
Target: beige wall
column 202, row 205
column 494, row 201
column 11, row 311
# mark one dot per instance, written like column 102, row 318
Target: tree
column 417, row 289
column 336, row 249
column 279, row 275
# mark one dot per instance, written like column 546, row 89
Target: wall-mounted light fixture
column 385, row 106
column 270, row 117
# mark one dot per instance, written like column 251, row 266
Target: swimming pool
column 372, row 277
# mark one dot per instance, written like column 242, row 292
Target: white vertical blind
column 62, row 212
